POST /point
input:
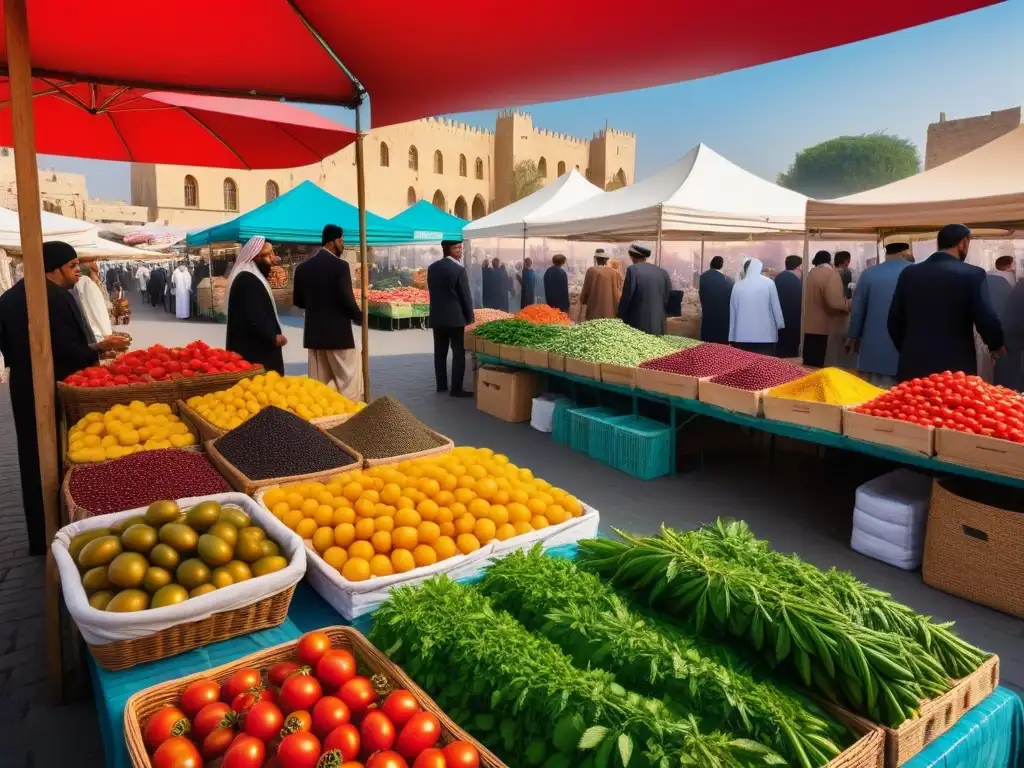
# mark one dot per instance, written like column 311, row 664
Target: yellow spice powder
column 832, row 386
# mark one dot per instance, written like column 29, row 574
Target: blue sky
column 759, row 118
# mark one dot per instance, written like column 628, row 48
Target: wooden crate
column 746, row 401
column 469, row 341
column 622, row 375
column 815, row 415
column 890, row 432
column 583, row 368
column 556, row 362
column 535, row 358
column 510, row 353
column 664, row 383
column 980, row 452
column 488, row 348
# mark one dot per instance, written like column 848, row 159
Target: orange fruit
column 335, row 557
column 344, row 534
column 573, row 505
column 478, row 471
column 343, row 515
column 391, row 493
column 497, row 514
column 323, row 538
column 467, row 542
column 449, row 482
column 445, row 547
column 538, row 522
column 402, row 560
column 355, row 569
column 381, row 541
column 457, row 509
column 384, row 523
column 501, row 497
column 309, row 507
column 364, row 508
column 478, row 508
column 444, row 515
column 324, row 515
column 405, row 503
column 292, row 518
column 370, row 495
column 518, row 512
column 465, row 524
column 294, row 500
column 486, row 488
column 447, row 529
column 306, row 528
column 521, row 527
column 466, row 481
column 444, row 498
column 537, row 506
column 407, row 517
column 505, row 531
column 464, row 495
column 405, row 537
column 429, row 486
column 556, row 514
column 484, row 530
column 351, row 491
column 380, row 565
column 281, row 509
column 427, row 509
column 424, row 555
column 428, row 532
column 365, row 528
column 361, row 549
column 519, row 496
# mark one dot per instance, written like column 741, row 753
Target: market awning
column 429, row 224
column 299, row 216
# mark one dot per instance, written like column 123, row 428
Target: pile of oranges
column 394, row 518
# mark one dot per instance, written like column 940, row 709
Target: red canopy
column 127, row 124
column 426, row 58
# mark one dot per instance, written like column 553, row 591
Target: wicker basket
column 208, row 431
column 869, row 749
column 974, row 549
column 215, row 382
column 145, row 703
column 445, row 445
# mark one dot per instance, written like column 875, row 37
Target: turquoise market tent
column 429, row 224
column 299, row 216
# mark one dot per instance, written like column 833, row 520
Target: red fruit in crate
column 430, row 758
column 345, row 740
column 329, row 713
column 387, row 759
column 264, row 720
column 279, row 672
column 400, row 705
column 198, row 695
column 377, row 732
column 211, row 717
column 245, row 752
column 217, row 742
column 423, row 731
column 358, row 693
column 168, row 722
column 246, row 679
column 297, row 722
column 299, row 692
column 299, row 750
column 177, row 752
column 311, row 647
column 461, row 754
column 336, row 668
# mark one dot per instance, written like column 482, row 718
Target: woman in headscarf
column 755, row 315
column 95, row 306
column 254, row 328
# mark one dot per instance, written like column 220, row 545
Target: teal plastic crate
column 560, row 421
column 643, row 448
column 602, row 437
column 580, row 420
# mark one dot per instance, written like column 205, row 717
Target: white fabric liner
column 700, row 194
column 99, row 627
column 983, row 189
column 81, row 235
column 511, row 221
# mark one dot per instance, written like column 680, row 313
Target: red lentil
column 763, row 373
column 702, row 361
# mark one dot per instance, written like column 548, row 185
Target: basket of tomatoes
column 327, row 700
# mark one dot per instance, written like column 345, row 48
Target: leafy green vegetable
column 520, row 333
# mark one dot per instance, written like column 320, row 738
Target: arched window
column 230, row 195
column 479, row 168
column 191, row 192
column 479, row 208
column 461, row 208
column 410, row 197
column 414, row 159
column 462, row 166
column 542, row 168
column 272, row 190
column 438, row 201
column 438, row 162
column 385, row 159
column 561, row 167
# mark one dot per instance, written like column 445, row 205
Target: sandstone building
column 949, row 139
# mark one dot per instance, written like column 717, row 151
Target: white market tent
column 700, row 196
column 569, row 189
column 983, row 189
column 81, row 235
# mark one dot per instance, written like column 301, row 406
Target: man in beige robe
column 602, row 289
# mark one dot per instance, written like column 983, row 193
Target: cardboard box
column 469, row 341
column 683, row 326
column 583, row 368
column 622, row 375
column 891, row 432
column 740, row 400
column 506, row 392
column 815, row 415
column 510, row 353
column 986, row 453
column 535, row 358
column 556, row 362
column 671, row 384
column 488, row 348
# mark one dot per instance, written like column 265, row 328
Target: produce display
column 592, row 623
column 614, row 342
column 832, row 386
column 385, row 429
column 395, row 518
column 300, row 395
column 316, row 711
column 481, row 316
column 276, row 443
column 167, row 556
column 542, row 313
column 278, row 277
column 142, row 478
column 954, row 401
column 160, row 363
column 404, row 295
column 125, row 430
column 520, row 333
column 762, row 373
column 702, row 361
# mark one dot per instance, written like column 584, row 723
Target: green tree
column 525, row 179
column 849, row 164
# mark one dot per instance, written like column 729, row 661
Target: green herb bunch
column 520, row 333
column 522, row 697
column 592, row 623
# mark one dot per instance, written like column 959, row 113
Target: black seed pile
column 276, row 443
column 384, row 429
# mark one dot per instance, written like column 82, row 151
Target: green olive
column 192, row 573
column 203, row 515
column 266, row 565
column 162, row 512
column 100, row 600
column 156, row 578
column 139, row 538
column 164, row 556
column 235, row 516
column 100, row 551
column 169, row 595
column 128, row 601
column 77, row 543
column 225, row 531
column 179, row 536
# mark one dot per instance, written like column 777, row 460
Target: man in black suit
column 451, row 310
column 556, row 284
column 935, row 308
column 323, row 287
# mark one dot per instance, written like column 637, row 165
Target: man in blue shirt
column 868, row 335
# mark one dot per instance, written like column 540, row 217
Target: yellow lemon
column 380, row 565
column 336, row 557
column 467, row 543
column 356, row 569
column 344, row 534
column 445, row 547
column 403, row 561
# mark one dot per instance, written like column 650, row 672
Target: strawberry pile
column 160, row 363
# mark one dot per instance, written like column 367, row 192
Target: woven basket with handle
column 372, row 662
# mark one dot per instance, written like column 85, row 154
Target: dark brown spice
column 385, row 429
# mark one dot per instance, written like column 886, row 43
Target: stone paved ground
column 799, row 503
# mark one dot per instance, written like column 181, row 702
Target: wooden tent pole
column 364, row 272
column 19, row 72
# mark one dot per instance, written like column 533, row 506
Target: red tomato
column 461, row 754
column 430, row 758
column 177, row 752
column 329, row 713
column 211, row 717
column 168, row 722
column 245, row 752
column 311, row 647
column 217, row 742
column 377, row 731
column 241, row 681
column 387, row 759
column 358, row 693
column 336, row 668
column 264, row 721
column 345, row 739
column 297, row 722
column 400, row 705
column 299, row 692
column 279, row 672
column 422, row 731
column 299, row 750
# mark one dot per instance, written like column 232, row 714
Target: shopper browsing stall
column 755, row 315
column 451, row 310
column 789, row 285
column 826, row 308
column 645, row 293
column 254, row 328
column 715, row 291
column 181, row 282
column 868, row 335
column 556, row 284
column 602, row 288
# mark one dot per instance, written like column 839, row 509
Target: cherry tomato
column 241, row 681
column 297, row 722
column 299, row 692
column 377, row 732
column 168, row 722
column 264, row 720
column 211, row 717
column 311, row 647
column 358, row 693
column 400, row 705
column 387, row 759
column 177, row 752
column 299, row 750
column 245, row 752
column 336, row 668
column 422, row 731
column 430, row 758
column 461, row 754
column 279, row 672
column 244, row 702
column 345, row 739
column 329, row 713
column 217, row 742
column 198, row 695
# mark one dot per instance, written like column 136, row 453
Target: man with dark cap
column 645, row 293
column 715, row 291
column 936, row 306
column 556, row 284
column 451, row 310
column 602, row 288
column 868, row 335
column 72, row 351
column 323, row 287
column 789, row 286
